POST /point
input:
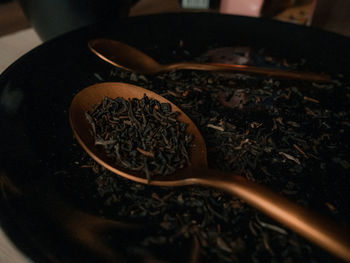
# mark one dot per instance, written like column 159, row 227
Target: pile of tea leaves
column 291, row 136
column 141, row 135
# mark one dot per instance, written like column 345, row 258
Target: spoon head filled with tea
column 144, row 138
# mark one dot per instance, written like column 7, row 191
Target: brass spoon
column 126, row 57
column 318, row 230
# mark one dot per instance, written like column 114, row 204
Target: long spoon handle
column 273, row 72
column 318, row 230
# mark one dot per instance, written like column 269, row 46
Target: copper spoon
column 317, row 229
column 126, row 57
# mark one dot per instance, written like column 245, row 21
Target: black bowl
column 43, row 206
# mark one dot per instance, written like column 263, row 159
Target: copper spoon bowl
column 126, row 57
column 318, row 230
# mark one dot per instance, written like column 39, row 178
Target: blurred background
column 25, row 24
column 329, row 15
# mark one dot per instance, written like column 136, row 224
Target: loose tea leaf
column 291, row 136
column 141, row 135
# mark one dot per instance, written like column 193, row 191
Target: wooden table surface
column 12, row 18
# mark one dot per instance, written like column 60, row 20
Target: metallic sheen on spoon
column 126, row 57
column 320, row 231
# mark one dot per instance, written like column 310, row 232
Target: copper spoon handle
column 318, row 230
column 273, row 72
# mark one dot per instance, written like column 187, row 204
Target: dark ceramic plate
column 37, row 209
